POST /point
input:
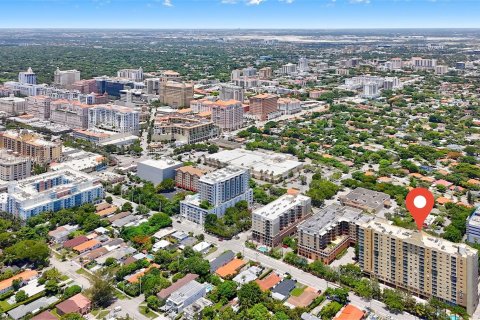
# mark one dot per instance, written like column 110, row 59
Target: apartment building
column 227, row 115
column 52, row 191
column 231, row 92
column 327, row 233
column 28, row 144
column 288, row 106
column 13, row 106
column 419, row 263
column 221, row 189
column 279, row 218
column 176, row 94
column 187, row 177
column 263, row 105
column 39, row 106
column 423, row 64
column 86, row 86
column 70, row 113
column 473, row 227
column 114, row 118
column 14, row 166
column 66, row 78
column 201, row 105
column 184, row 129
column 265, row 73
column 131, row 74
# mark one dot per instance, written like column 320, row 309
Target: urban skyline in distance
column 221, row 14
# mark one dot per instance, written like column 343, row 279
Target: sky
column 244, row 14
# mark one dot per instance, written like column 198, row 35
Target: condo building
column 231, row 92
column 131, row 74
column 221, row 189
column 473, row 227
column 279, row 218
column 176, row 94
column 227, row 115
column 13, row 166
column 70, row 113
column 184, row 129
column 187, row 177
column 265, row 73
column 289, row 106
column 52, row 191
column 419, row 263
column 86, row 86
column 39, row 107
column 262, row 106
column 28, row 144
column 66, row 78
column 114, row 118
column 327, row 233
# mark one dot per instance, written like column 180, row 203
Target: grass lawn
column 55, row 313
column 297, row 291
column 85, row 273
column 102, row 314
column 150, row 314
column 4, row 305
column 120, row 295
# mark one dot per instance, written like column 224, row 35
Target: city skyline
column 227, row 14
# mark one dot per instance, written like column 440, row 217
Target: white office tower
column 131, row 74
column 249, row 72
column 439, row 70
column 28, row 77
column 289, row 68
column 303, row 64
column 370, row 90
column 392, row 83
column 66, row 78
column 236, row 74
column 231, row 92
column 396, row 64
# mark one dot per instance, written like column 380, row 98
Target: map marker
column 420, row 203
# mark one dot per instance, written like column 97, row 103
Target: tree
column 28, row 251
column 153, row 302
column 127, row 206
column 330, row 310
column 72, row 316
column 338, row 294
column 71, row 291
column 393, row 299
column 109, row 199
column 259, row 312
column 226, row 290
column 166, row 185
column 101, row 291
column 212, row 148
column 51, row 287
column 21, row 296
column 250, row 294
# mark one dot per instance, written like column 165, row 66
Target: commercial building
column 185, row 296
column 327, row 233
column 473, row 227
column 86, row 86
column 156, row 171
column 231, row 92
column 367, row 200
column 70, row 113
column 263, row 105
column 131, row 74
column 419, row 263
column 265, row 73
column 52, row 191
column 303, row 64
column 13, row 106
column 28, row 144
column 184, row 129
column 39, row 107
column 263, row 165
column 423, row 64
column 176, row 94
column 227, row 115
column 288, row 106
column 13, row 166
column 27, row 77
column 289, row 69
column 114, row 118
column 370, row 90
column 218, row 191
column 187, row 177
column 279, row 218
column 66, row 78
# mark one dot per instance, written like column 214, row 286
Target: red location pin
column 420, row 203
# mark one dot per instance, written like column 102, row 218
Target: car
column 178, row 221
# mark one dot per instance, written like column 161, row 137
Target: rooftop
column 367, row 197
column 222, row 175
column 162, row 163
column 276, row 208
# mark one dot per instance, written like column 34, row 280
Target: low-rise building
column 288, row 106
column 187, row 177
column 13, row 105
column 24, row 277
column 279, row 218
column 185, row 296
column 184, row 129
column 156, row 171
column 367, row 200
column 76, row 304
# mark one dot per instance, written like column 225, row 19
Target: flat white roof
column 276, row 208
column 160, row 164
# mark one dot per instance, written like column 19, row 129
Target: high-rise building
column 70, row 113
column 131, row 74
column 303, row 64
column 218, row 191
column 262, row 105
column 423, row 64
column 396, row 63
column 66, row 78
column 27, row 143
column 230, row 91
column 14, row 166
column 86, row 86
column 265, row 73
column 279, row 218
column 153, row 85
column 289, row 68
column 13, row 105
column 27, row 77
column 52, row 191
column 113, row 118
column 176, row 94
column 473, row 227
column 419, row 263
column 236, row 74
column 39, row 107
column 370, row 90
column 440, row 70
column 227, row 115
column 249, row 72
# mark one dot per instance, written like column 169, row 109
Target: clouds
column 360, row 1
column 167, row 3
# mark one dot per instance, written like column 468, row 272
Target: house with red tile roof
column 76, row 304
